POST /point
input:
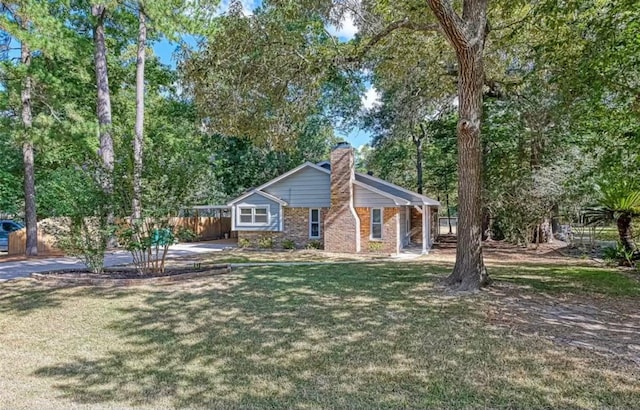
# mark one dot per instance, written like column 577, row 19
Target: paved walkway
column 22, row 269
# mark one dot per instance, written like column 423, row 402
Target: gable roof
column 397, row 191
column 398, row 194
column 293, row 171
column 395, row 199
column 255, row 191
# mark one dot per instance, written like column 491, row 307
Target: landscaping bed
column 124, row 276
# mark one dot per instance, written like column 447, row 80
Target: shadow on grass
column 358, row 336
column 22, row 297
column 568, row 279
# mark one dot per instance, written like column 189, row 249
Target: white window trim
column 253, row 215
column 319, row 223
column 381, row 224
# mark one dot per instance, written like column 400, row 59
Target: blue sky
column 165, row 51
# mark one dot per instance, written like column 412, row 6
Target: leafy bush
column 314, row 245
column 244, row 243
column 186, row 235
column 87, row 239
column 288, row 244
column 88, row 228
column 266, row 242
column 375, row 246
column 148, row 240
column 619, row 255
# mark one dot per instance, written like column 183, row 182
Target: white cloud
column 347, row 29
column 371, row 99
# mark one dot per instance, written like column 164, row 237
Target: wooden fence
column 46, row 244
column 205, row 228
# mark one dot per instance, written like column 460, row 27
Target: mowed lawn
column 375, row 335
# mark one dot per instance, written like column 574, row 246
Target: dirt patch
column 496, row 252
column 602, row 325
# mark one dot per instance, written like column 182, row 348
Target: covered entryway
column 417, row 226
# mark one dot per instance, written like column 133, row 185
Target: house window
column 376, row 223
column 255, row 215
column 314, row 223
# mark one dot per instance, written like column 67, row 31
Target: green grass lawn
column 344, row 336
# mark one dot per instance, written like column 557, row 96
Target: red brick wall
column 416, row 226
column 389, row 239
column 341, row 222
column 296, row 228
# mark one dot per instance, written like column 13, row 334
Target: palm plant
column 619, row 203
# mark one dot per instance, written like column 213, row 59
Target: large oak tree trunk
column 467, row 35
column 138, row 141
column 30, row 216
column 104, row 97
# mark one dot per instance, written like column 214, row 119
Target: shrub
column 288, row 244
column 86, row 238
column 314, row 245
column 266, row 242
column 244, row 243
column 148, row 240
column 186, row 235
column 375, row 246
column 619, row 255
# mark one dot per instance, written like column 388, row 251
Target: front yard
column 369, row 335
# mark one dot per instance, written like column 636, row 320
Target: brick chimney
column 342, row 225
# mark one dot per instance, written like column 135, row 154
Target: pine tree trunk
column 138, row 141
column 104, row 97
column 30, row 216
column 419, row 173
column 467, row 34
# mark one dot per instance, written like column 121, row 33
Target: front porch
column 417, row 227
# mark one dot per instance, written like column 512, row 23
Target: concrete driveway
column 22, row 269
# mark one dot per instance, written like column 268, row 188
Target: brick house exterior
column 331, row 206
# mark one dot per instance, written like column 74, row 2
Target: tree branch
column 452, row 24
column 396, row 25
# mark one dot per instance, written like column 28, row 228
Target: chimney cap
column 342, row 144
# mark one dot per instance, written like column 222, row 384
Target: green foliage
column 148, row 240
column 288, row 244
column 86, row 238
column 375, row 246
column 266, row 242
column 314, row 245
column 620, row 255
column 87, row 227
column 185, row 234
column 244, row 243
column 245, row 83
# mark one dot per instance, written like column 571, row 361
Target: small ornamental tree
column 619, row 203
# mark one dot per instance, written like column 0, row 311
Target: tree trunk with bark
column 103, row 106
column 30, row 216
column 418, row 142
column 467, row 34
column 625, row 232
column 138, row 141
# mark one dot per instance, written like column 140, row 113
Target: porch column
column 425, row 230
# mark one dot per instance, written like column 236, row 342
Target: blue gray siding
column 255, row 199
column 308, row 188
column 363, row 198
